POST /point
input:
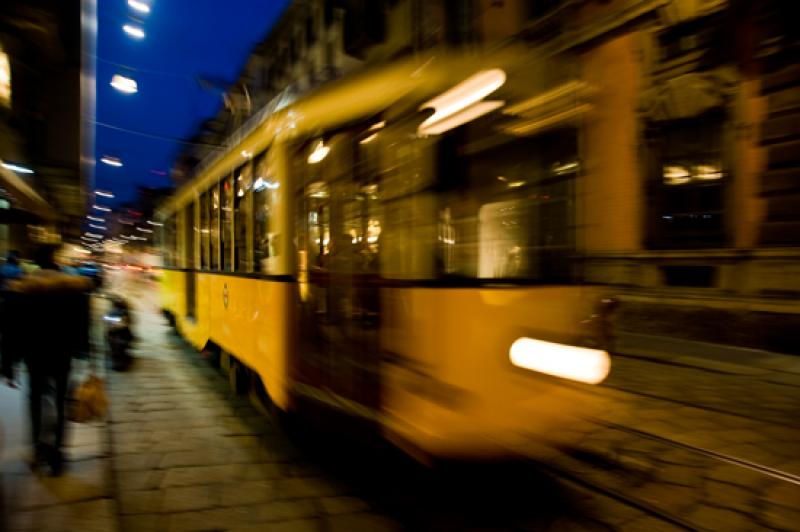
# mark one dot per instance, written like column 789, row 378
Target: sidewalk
column 81, row 499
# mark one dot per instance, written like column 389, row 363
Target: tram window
column 204, row 232
column 506, row 211
column 226, row 223
column 170, row 242
column 214, row 230
column 241, row 205
column 265, row 236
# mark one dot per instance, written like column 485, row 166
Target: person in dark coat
column 48, row 318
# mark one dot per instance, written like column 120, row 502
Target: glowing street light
column 104, row 194
column 111, row 161
column 101, row 208
column 139, row 6
column 98, row 227
column 124, row 84
column 134, row 31
column 157, row 224
column 143, row 230
column 17, row 168
column 95, row 218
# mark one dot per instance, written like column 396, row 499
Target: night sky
column 184, row 40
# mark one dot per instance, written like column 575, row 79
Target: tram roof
column 358, row 95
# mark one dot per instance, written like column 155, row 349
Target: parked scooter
column 119, row 333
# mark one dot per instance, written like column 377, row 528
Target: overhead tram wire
column 156, row 137
column 142, row 70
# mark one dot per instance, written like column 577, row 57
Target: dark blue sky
column 185, row 39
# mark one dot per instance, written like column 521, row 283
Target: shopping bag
column 89, row 400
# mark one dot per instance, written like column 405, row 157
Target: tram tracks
column 717, row 484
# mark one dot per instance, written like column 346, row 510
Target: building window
column 687, row 185
column 311, row 31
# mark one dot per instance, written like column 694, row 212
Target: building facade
column 40, row 120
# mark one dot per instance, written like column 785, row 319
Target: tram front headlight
column 580, row 364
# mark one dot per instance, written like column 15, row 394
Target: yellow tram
column 399, row 245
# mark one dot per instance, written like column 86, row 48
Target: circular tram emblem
column 225, row 295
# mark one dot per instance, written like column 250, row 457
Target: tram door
column 337, row 227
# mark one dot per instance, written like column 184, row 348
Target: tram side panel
column 250, row 318
column 172, row 289
column 449, row 387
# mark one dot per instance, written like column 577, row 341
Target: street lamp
column 134, row 31
column 124, row 84
column 111, row 161
column 139, row 6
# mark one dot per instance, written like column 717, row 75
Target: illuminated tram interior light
column 111, row 161
column 319, row 153
column 134, row 31
column 561, row 169
column 460, row 118
column 101, row 208
column 104, row 194
column 98, row 227
column 560, row 360
column 17, row 168
column 124, row 84
column 139, row 6
column 461, row 98
column 95, row 218
column 368, row 139
column 157, row 224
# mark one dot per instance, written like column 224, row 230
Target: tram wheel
column 238, row 377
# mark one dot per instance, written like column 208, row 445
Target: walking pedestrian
column 48, row 314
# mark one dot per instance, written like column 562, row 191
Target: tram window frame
column 264, row 239
column 214, row 206
column 339, row 215
column 187, row 253
column 170, row 241
column 242, row 208
column 205, row 220
column 226, row 223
